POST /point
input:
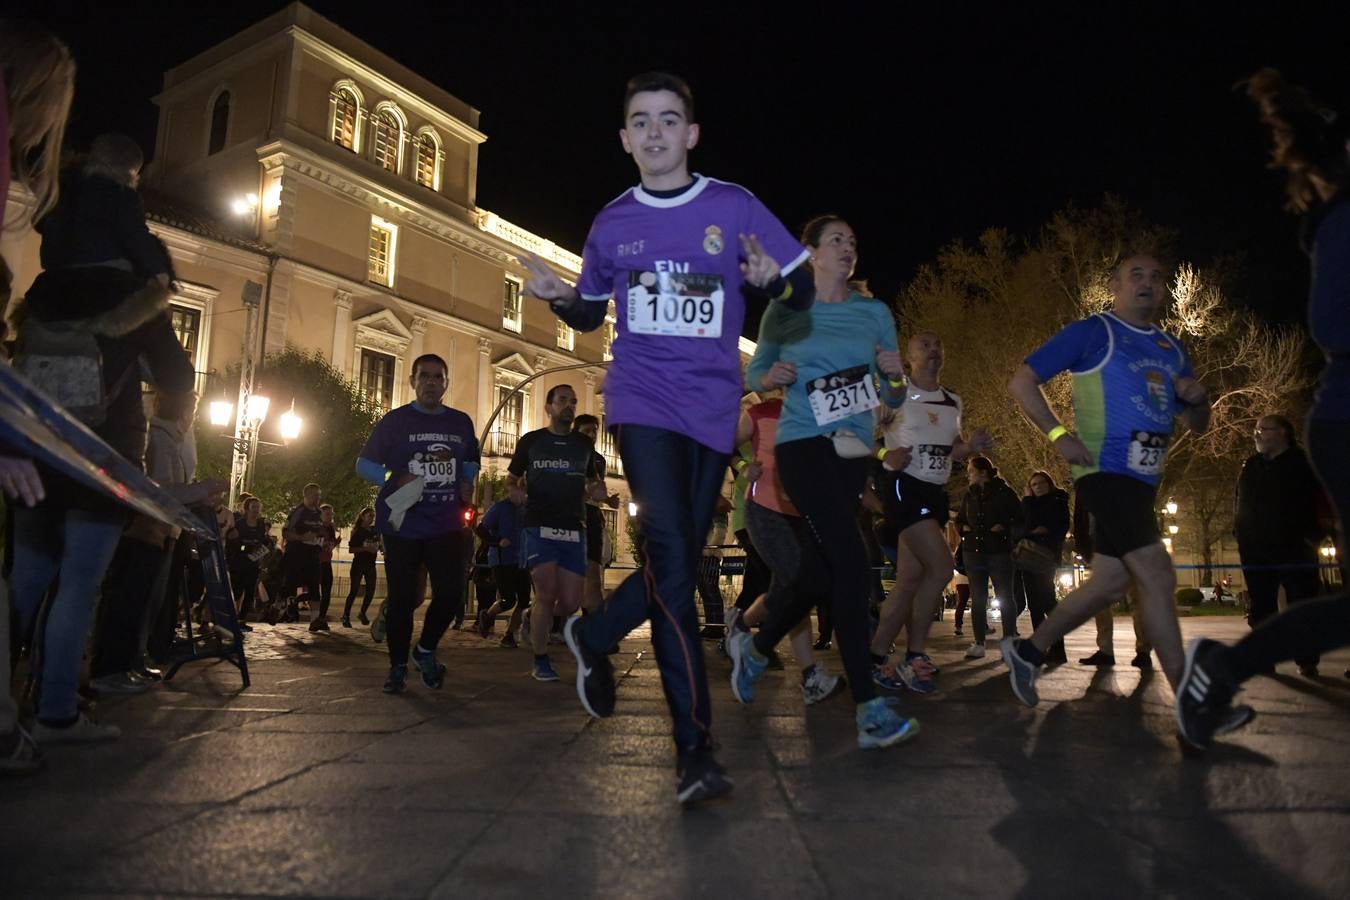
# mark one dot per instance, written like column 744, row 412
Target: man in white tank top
column 922, row 442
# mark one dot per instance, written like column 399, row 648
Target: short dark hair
column 116, row 151
column 1141, row 248
column 1289, row 434
column 649, row 82
column 982, row 464
column 548, row 398
column 583, row 420
column 430, row 358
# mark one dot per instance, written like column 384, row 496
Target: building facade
column 343, row 186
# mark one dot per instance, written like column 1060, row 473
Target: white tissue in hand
column 402, row 500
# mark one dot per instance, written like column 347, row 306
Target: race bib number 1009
column 842, row 394
column 1148, row 451
column 675, row 304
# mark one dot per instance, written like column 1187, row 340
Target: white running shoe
column 975, row 651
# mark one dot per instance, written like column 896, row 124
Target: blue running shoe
column 886, row 677
column 881, row 726
column 433, row 673
column 746, row 666
column 919, row 675
column 544, row 671
column 1020, row 672
column 398, row 679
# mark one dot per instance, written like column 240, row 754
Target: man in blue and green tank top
column 1131, row 380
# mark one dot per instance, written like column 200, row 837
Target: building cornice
column 385, row 86
column 496, row 246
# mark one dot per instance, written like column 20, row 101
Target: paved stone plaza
column 313, row 783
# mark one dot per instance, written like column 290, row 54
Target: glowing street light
column 1171, row 507
column 221, row 410
column 290, row 424
column 256, row 410
column 1066, row 580
column 632, row 509
column 1167, row 542
column 1173, row 528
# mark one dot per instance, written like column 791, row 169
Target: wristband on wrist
column 881, row 453
column 897, row 385
column 1056, row 433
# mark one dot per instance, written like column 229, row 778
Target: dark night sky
column 919, row 124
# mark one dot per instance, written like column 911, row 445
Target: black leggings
column 1318, row 626
column 826, row 488
column 1036, row 591
column 757, row 575
column 363, row 570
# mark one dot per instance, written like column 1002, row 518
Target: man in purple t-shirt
column 666, row 252
column 426, row 453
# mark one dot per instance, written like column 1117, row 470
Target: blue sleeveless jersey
column 1124, row 398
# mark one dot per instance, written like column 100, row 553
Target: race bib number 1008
column 842, row 394
column 435, row 471
column 675, row 304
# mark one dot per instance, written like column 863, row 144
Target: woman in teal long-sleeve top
column 837, row 361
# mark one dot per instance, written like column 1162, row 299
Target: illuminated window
column 346, row 118
column 566, row 338
column 428, row 159
column 383, row 246
column 510, row 421
column 512, row 317
column 377, row 379
column 388, row 125
column 187, row 325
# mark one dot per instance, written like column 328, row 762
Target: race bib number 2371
column 675, row 304
column 842, row 394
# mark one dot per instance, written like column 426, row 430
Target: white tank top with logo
column 929, row 422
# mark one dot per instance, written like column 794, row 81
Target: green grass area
column 1211, row 609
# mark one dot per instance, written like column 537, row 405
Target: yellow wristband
column 897, row 385
column 1056, row 433
column 881, row 452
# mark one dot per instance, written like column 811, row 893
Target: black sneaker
column 701, row 778
column 1099, row 658
column 397, row 682
column 1203, row 697
column 776, row 661
column 1142, row 661
column 595, row 675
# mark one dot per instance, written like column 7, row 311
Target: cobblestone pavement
column 314, row 783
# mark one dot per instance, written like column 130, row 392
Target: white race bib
column 435, row 471
column 675, row 304
column 842, row 394
column 934, row 459
column 560, row 534
column 1148, row 452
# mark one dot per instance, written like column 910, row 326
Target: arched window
column 346, row 118
column 428, row 162
column 220, row 123
column 387, row 133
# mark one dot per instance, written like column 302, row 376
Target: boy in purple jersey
column 429, row 449
column 665, row 251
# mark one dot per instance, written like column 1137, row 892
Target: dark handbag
column 1038, row 559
